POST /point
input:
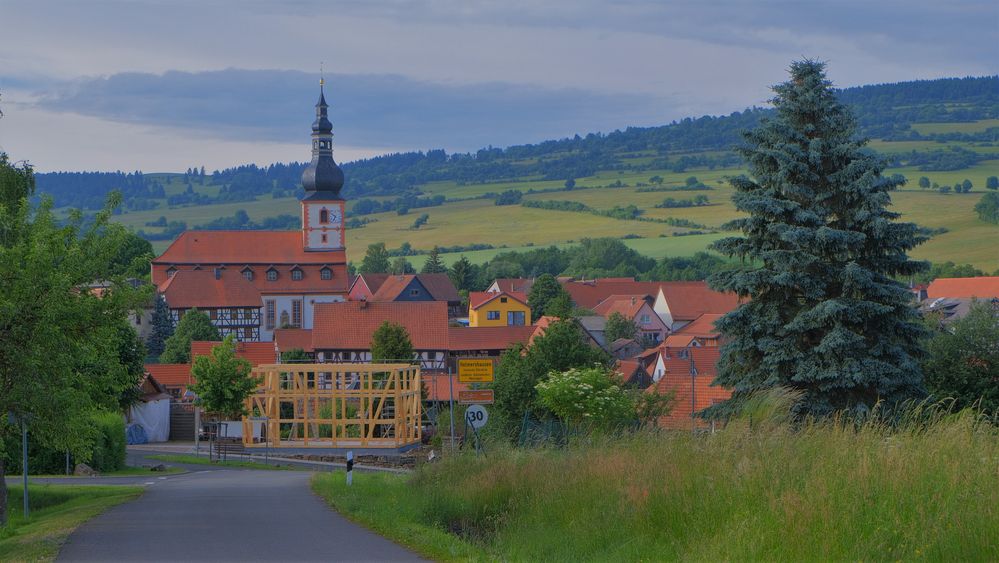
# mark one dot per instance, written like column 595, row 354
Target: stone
column 84, row 470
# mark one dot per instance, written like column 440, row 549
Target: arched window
column 324, row 216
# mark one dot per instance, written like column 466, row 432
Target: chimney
column 363, row 304
column 632, row 299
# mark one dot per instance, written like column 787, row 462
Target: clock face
column 336, row 216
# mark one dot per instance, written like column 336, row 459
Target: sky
column 159, row 86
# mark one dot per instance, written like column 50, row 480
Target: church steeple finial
column 322, row 178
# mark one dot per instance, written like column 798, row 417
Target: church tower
column 322, row 207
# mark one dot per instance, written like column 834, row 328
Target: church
column 253, row 282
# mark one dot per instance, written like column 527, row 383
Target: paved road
column 228, row 515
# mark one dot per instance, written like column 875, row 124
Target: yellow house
column 498, row 309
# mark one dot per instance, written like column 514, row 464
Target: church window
column 324, row 216
column 270, row 320
column 296, row 274
column 326, row 274
column 272, row 275
column 296, row 313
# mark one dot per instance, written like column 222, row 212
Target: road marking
column 150, row 482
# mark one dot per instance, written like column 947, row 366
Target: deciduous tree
column 963, row 359
column 618, row 326
column 194, row 325
column 223, row 381
column 376, row 259
column 545, row 289
column 390, row 343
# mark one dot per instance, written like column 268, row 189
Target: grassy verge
column 56, row 510
column 124, row 472
column 825, row 492
column 199, row 460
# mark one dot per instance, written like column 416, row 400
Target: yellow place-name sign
column 475, row 371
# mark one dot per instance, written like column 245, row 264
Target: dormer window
column 171, row 271
column 248, row 274
column 326, row 273
column 324, row 216
column 272, row 275
column 296, row 274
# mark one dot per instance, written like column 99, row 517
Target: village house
column 407, row 287
column 687, row 374
column 699, row 333
column 638, row 309
column 498, row 309
column 229, row 300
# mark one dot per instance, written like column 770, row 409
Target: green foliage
column 670, row 203
column 133, row 259
column 962, row 360
column 686, row 268
column 992, row 183
column 606, row 257
column 947, row 270
column 825, row 314
column 560, row 306
column 53, row 331
column 561, row 347
column 108, row 453
column 162, row 328
column 194, row 325
column 544, row 290
column 434, row 265
column 619, row 326
column 650, row 407
column 421, row 220
column 223, row 381
column 462, row 274
column 400, row 265
column 390, row 343
column 988, row 208
column 509, row 197
column 295, row 355
column 376, row 260
column 924, row 182
column 587, row 397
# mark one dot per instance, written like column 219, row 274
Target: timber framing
column 315, row 406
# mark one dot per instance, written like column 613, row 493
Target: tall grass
column 925, row 488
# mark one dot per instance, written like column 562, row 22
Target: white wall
column 283, row 303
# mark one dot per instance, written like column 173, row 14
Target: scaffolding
column 332, row 406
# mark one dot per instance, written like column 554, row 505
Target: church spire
column 322, row 178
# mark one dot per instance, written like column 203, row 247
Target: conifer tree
column 823, row 312
column 162, row 328
column 434, row 264
column 462, row 274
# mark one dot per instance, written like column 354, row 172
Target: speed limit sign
column 477, row 416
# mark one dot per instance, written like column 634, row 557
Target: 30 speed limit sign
column 477, row 416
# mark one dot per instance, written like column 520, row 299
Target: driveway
column 228, row 515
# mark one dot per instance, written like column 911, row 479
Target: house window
column 247, row 333
column 272, row 275
column 492, row 315
column 271, row 317
column 414, row 292
column 296, row 313
column 645, row 319
column 324, row 238
column 515, row 318
column 296, row 274
column 171, row 271
column 326, row 274
column 248, row 274
column 324, row 216
column 502, row 299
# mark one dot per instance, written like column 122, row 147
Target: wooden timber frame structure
column 315, row 406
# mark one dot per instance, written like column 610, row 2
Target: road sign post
column 350, row 468
column 475, row 397
column 475, row 370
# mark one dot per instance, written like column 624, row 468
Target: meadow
column 464, row 220
column 751, row 492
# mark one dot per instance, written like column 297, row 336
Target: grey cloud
column 367, row 110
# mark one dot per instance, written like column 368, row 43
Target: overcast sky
column 161, row 85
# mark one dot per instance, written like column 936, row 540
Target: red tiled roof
column 628, row 368
column 291, row 338
column 440, row 286
column 985, row 287
column 170, row 375
column 522, row 285
column 439, row 388
column 703, row 326
column 200, row 288
column 488, row 337
column 349, row 325
column 678, row 340
column 477, row 299
column 689, row 300
column 245, row 247
column 686, row 300
column 372, row 281
column 256, row 352
column 677, row 380
column 626, row 305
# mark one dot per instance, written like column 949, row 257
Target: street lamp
column 23, row 421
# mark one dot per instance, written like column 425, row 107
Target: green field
column 471, row 221
column 751, row 492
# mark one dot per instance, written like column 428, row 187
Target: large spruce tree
column 823, row 312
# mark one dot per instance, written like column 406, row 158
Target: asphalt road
column 228, row 515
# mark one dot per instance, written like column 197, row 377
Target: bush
column 108, row 453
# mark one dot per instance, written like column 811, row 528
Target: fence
column 334, row 406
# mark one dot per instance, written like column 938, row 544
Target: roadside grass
column 828, row 492
column 200, row 460
column 124, row 472
column 56, row 511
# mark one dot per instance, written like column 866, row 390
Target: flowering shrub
column 586, row 396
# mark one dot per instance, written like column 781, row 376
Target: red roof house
column 687, row 374
column 984, row 287
column 256, row 353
